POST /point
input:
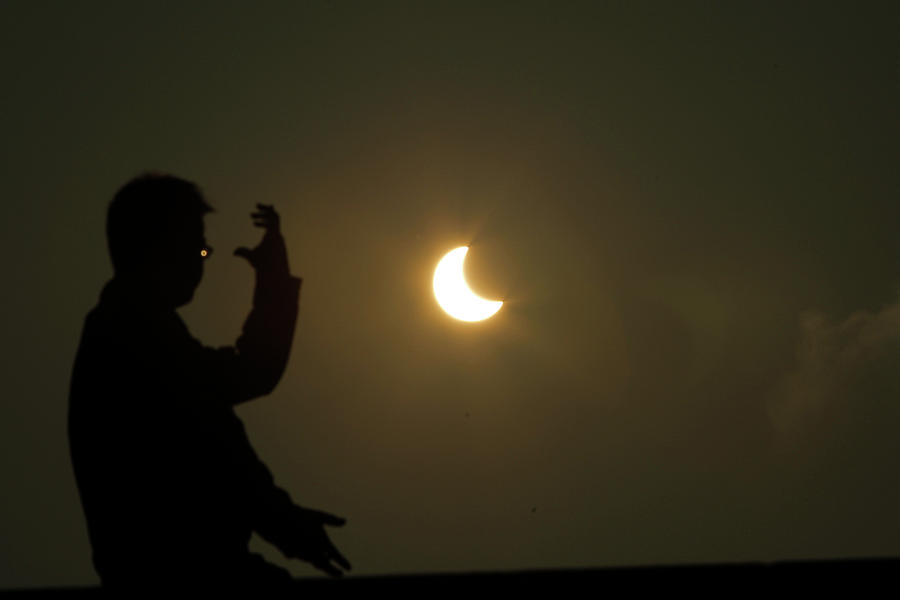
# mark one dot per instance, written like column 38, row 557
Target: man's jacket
column 168, row 480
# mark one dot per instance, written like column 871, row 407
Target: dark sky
column 690, row 209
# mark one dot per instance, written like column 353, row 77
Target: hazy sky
column 690, row 209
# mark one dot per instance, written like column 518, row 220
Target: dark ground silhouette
column 821, row 577
column 170, row 485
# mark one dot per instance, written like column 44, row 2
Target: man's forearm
column 268, row 333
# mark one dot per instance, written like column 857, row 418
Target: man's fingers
column 266, row 213
column 245, row 253
column 337, row 557
column 328, row 568
column 265, row 210
column 269, row 221
column 329, row 519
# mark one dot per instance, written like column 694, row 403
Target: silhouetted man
column 169, row 483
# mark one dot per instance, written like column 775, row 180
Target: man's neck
column 137, row 292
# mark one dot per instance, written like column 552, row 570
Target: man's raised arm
column 254, row 366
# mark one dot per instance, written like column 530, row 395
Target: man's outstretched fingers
column 244, row 253
column 329, row 519
column 337, row 557
column 266, row 217
column 327, row 567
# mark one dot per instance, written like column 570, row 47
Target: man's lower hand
column 309, row 542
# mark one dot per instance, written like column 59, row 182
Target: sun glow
column 453, row 293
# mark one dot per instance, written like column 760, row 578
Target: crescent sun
column 453, row 293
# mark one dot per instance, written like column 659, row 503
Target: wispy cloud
column 845, row 387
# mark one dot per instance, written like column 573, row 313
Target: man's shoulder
column 113, row 337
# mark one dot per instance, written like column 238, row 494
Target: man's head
column 154, row 227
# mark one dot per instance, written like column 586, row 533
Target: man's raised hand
column 269, row 258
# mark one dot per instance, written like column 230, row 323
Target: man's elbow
column 259, row 373
column 267, row 380
column 266, row 387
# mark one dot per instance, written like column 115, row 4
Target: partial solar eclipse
column 453, row 293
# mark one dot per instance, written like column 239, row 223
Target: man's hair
column 146, row 210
